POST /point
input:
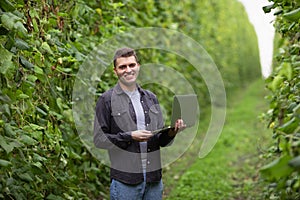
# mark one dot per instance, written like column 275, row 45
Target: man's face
column 127, row 70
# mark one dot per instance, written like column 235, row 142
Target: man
column 125, row 116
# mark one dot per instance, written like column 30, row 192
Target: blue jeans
column 142, row 191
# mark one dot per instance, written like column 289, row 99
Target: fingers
column 145, row 136
column 141, row 135
column 179, row 125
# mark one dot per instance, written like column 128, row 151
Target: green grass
column 230, row 170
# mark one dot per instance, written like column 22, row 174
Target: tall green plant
column 42, row 46
column 283, row 117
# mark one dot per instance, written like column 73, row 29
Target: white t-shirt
column 135, row 98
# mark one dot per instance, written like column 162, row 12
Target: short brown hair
column 124, row 52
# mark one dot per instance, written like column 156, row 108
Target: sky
column 264, row 29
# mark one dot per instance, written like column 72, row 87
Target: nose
column 128, row 69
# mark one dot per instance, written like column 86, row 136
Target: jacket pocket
column 118, row 113
column 123, row 120
column 156, row 120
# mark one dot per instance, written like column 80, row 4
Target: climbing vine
column 283, row 116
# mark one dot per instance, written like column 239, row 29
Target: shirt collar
column 119, row 90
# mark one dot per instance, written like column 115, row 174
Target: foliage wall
column 42, row 45
column 283, row 117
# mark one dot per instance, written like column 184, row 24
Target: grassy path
column 230, row 171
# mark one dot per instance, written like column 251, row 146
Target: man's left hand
column 179, row 126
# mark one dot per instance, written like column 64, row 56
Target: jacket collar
column 120, row 91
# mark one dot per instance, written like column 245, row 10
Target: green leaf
column 74, row 155
column 33, row 13
column 5, row 55
column 27, row 140
column 37, row 157
column 59, row 89
column 5, row 109
column 8, row 130
column 23, row 96
column 60, row 104
column 277, row 169
column 21, row 44
column 38, row 135
column 7, row 5
column 35, row 25
column 5, row 60
column 117, row 5
column 293, row 15
column 4, row 98
column 289, row 126
column 8, row 21
column 41, row 111
column 7, row 66
column 54, row 197
column 68, row 114
column 275, row 84
column 38, row 165
column 3, row 143
column 5, row 163
column 12, row 22
column 38, row 70
column 268, row 8
column 46, row 48
column 99, row 11
column 32, row 127
column 295, row 162
column 25, row 63
column 31, row 78
column 296, row 111
column 7, row 145
column 25, row 177
column 286, row 70
column 21, row 29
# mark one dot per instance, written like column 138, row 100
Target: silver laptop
column 184, row 107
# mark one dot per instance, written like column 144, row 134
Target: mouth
column 129, row 76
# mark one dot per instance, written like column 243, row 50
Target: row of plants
column 282, row 172
column 42, row 46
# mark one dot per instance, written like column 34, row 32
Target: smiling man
column 125, row 116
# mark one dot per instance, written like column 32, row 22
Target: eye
column 132, row 65
column 122, row 67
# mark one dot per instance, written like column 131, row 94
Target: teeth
column 129, row 74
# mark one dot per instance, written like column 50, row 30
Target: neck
column 129, row 88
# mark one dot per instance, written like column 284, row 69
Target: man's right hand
column 141, row 135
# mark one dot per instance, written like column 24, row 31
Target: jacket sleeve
column 103, row 138
column 165, row 139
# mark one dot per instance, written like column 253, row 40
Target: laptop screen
column 185, row 107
